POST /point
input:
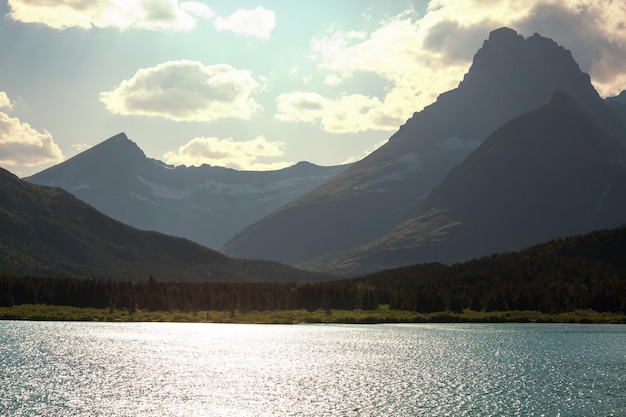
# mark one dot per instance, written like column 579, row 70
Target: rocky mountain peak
column 508, row 57
column 502, row 39
column 118, row 146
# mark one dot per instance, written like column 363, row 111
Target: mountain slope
column 48, row 231
column 549, row 173
column 618, row 106
column 207, row 205
column 509, row 76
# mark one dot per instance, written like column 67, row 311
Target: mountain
column 206, row 204
column 617, row 105
column 47, row 231
column 510, row 75
column 549, row 173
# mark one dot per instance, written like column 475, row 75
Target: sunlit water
column 157, row 369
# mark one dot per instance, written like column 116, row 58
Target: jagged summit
column 499, row 41
column 505, row 49
column 525, row 69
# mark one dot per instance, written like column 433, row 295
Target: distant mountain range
column 523, row 150
column 47, row 231
column 205, row 204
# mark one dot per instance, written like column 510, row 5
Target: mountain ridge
column 48, row 231
column 205, row 204
column 509, row 76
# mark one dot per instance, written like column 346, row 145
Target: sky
column 257, row 85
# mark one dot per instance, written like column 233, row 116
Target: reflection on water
column 159, row 369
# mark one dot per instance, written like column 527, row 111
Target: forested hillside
column 581, row 272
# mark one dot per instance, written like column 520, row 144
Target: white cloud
column 346, row 114
column 123, row 14
column 241, row 155
column 21, row 145
column 185, row 91
column 595, row 31
column 414, row 75
column 80, row 147
column 257, row 23
column 420, row 57
column 365, row 153
column 5, row 103
column 197, row 9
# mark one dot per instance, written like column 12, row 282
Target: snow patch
column 235, row 190
column 82, row 187
column 162, row 191
column 142, row 198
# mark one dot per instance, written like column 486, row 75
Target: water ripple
column 157, row 369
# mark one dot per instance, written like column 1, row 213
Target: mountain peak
column 120, row 136
column 503, row 36
column 119, row 140
column 117, row 151
column 505, row 52
column 117, row 148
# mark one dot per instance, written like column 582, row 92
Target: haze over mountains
column 205, row 204
column 47, row 232
column 557, row 171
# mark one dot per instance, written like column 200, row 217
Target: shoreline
column 383, row 314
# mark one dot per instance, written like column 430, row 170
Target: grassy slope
column 381, row 315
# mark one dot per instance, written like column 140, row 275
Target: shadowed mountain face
column 618, row 106
column 48, row 231
column 207, row 205
column 549, row 173
column 509, row 76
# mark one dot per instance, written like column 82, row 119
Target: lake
column 175, row 369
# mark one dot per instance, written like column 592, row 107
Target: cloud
column 365, row 153
column 197, row 9
column 185, row 91
column 80, row 147
column 122, row 14
column 420, row 57
column 256, row 23
column 20, row 144
column 413, row 76
column 5, row 103
column 595, row 31
column 347, row 114
column 241, row 155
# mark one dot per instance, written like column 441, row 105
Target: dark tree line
column 155, row 295
column 583, row 272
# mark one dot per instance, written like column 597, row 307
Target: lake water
column 163, row 369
